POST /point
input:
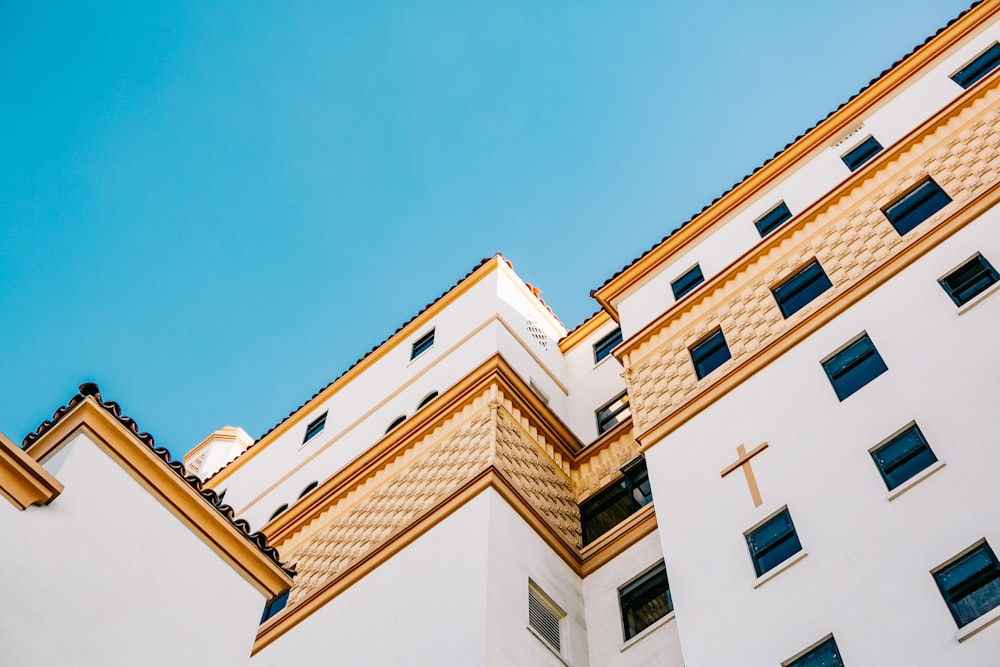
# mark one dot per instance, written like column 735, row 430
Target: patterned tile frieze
column 847, row 233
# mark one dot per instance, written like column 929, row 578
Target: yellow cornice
column 819, row 137
column 167, row 487
column 23, row 481
column 584, row 331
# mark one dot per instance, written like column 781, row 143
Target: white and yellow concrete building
column 773, row 445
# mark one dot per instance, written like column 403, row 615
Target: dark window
column 796, row 292
column 853, row 367
column 612, row 413
column 709, row 354
column 773, row 542
column 687, row 282
column 971, row 584
column 825, row 655
column 982, row 65
column 611, row 506
column 309, row 487
column 274, row 606
column 773, row 219
column 278, row 511
column 916, row 206
column 422, row 344
column 903, row 456
column 427, row 399
column 644, row 601
column 315, row 427
column 970, row 279
column 603, row 347
column 861, row 153
column 396, row 422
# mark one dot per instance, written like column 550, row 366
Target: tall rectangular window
column 315, row 427
column 903, row 456
column 773, row 219
column 970, row 584
column 824, row 654
column 603, row 347
column 796, row 292
column 773, row 542
column 612, row 505
column 861, row 153
column 709, row 354
column 612, row 413
column 422, row 344
column 545, row 617
column 687, row 282
column 854, row 366
column 969, row 280
column 644, row 601
column 915, row 206
column 980, row 66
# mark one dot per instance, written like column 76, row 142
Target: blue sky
column 213, row 209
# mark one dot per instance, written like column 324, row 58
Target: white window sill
column 547, row 645
column 778, row 569
column 653, row 627
column 916, row 479
column 986, row 619
column 979, row 298
column 602, row 361
column 419, row 357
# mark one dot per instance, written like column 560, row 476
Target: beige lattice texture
column 850, row 237
column 604, row 466
column 490, row 432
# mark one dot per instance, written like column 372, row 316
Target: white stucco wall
column 105, row 575
column 866, row 576
column 591, row 384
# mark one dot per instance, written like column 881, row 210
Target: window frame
column 887, row 469
column 695, row 350
column 802, row 659
column 961, row 300
column 603, row 347
column 915, row 206
column 274, row 605
column 862, row 153
column 787, row 292
column 422, row 344
column 757, row 552
column 635, row 477
column 775, row 217
column 686, row 283
column 941, row 572
column 978, row 68
column 544, row 603
column 602, row 424
column 631, row 594
column 315, row 427
column 836, row 375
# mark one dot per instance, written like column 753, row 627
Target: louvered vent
column 543, row 620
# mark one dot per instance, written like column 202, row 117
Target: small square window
column 274, row 606
column 773, row 219
column 422, row 344
column 970, row 584
column 709, row 354
column 969, row 280
column 825, row 654
column 773, row 542
column 902, row 456
column 545, row 617
column 916, row 206
column 315, row 427
column 612, row 413
column 603, row 347
column 687, row 282
column 644, row 601
column 980, row 66
column 854, row 366
column 796, row 292
column 861, row 153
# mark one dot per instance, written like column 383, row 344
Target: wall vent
column 544, row 617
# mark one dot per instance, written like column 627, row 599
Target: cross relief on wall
column 743, row 461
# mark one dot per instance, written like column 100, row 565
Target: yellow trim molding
column 23, row 481
column 584, row 331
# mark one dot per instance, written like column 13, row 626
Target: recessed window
column 861, row 153
column 278, row 512
column 773, row 219
column 612, row 413
column 545, row 617
column 422, row 344
column 857, row 364
column 315, row 427
column 903, row 456
column 796, row 292
column 427, row 399
column 309, row 487
column 710, row 353
column 644, row 601
column 603, row 347
column 773, row 542
column 396, row 422
column 687, row 282
column 970, row 584
column 825, row 654
column 980, row 66
column 274, row 606
column 969, row 280
column 612, row 505
column 916, row 206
